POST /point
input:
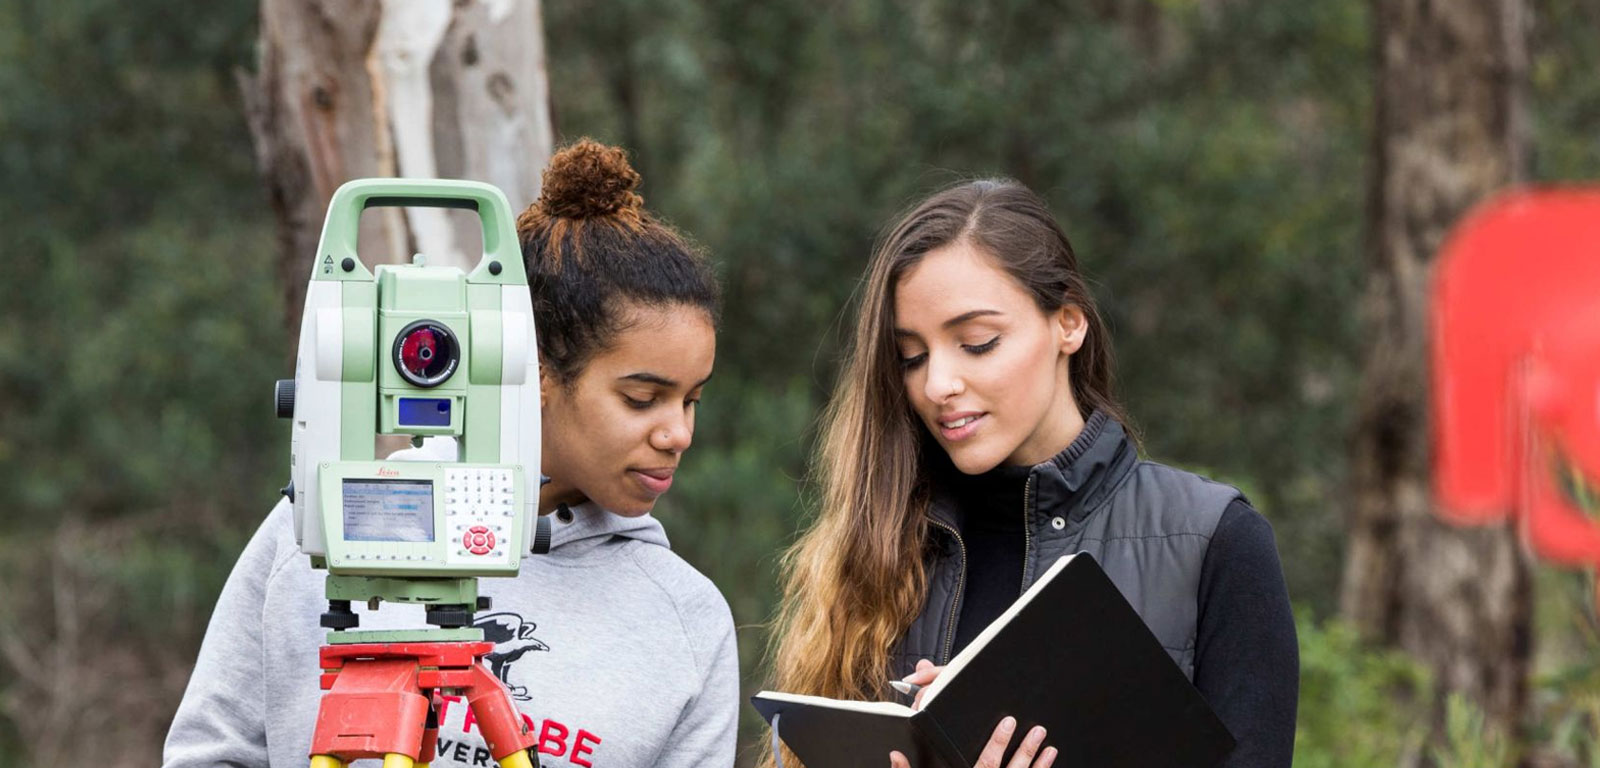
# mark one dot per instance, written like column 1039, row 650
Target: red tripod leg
column 374, row 708
column 503, row 728
column 430, row 733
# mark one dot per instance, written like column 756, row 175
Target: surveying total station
column 424, row 351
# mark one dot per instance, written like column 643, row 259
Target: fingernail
column 1008, row 725
column 1037, row 734
column 1050, row 753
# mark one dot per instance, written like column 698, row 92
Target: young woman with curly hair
column 617, row 652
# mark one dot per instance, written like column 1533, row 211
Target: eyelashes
column 641, row 405
column 909, row 363
column 984, row 348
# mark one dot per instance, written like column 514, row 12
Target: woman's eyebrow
column 952, row 322
column 658, row 380
column 965, row 316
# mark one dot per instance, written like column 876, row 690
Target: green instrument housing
column 417, row 532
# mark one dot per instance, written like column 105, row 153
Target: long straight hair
column 856, row 579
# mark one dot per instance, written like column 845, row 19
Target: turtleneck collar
column 1073, row 482
column 991, row 501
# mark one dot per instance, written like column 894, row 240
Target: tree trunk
column 1447, row 135
column 413, row 88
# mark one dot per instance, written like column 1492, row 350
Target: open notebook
column 1070, row 654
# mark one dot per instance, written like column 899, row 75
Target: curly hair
column 592, row 251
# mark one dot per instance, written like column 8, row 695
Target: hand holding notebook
column 999, row 741
column 1070, row 654
column 995, row 750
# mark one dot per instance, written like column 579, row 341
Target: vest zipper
column 1027, row 537
column 950, row 635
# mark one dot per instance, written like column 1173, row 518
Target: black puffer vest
column 1147, row 525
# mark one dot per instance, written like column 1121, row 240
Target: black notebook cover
column 1075, row 658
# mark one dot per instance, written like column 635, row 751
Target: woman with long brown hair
column 972, row 439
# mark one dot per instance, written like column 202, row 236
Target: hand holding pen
column 913, row 683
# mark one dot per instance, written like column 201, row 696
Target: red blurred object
column 1563, row 394
column 1516, row 368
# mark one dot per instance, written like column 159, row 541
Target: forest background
column 1212, row 161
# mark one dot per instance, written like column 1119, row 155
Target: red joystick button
column 478, row 540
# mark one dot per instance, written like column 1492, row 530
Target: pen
column 910, row 689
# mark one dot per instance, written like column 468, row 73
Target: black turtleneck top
column 993, row 524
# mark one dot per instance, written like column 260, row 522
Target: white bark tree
column 412, row 88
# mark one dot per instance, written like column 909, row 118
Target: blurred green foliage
column 1359, row 705
column 141, row 318
column 1208, row 160
column 1566, row 690
column 1467, row 743
column 141, row 326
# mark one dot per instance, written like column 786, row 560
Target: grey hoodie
column 618, row 653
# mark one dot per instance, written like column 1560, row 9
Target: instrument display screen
column 377, row 509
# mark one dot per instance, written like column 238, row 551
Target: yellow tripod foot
column 518, row 759
column 390, row 760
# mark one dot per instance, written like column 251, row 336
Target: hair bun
column 589, row 179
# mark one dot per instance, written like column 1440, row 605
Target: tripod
column 383, row 701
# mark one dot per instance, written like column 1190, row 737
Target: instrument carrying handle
column 340, row 230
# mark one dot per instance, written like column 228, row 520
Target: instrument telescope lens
column 426, row 353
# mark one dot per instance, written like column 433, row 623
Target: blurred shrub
column 1567, row 730
column 142, row 326
column 1564, row 728
column 1359, row 705
column 1467, row 744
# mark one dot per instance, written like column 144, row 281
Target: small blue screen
column 424, row 411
